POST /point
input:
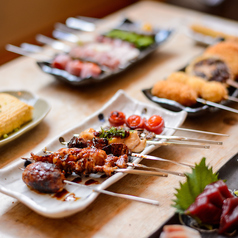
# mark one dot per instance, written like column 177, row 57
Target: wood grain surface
column 110, row 216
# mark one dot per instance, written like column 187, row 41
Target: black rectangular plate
column 161, row 36
column 228, row 172
column 197, row 110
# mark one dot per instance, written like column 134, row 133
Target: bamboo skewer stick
column 177, row 144
column 213, row 104
column 53, row 43
column 125, row 196
column 233, row 99
column 232, row 83
column 80, row 24
column 21, row 51
column 196, row 131
column 142, row 172
column 156, row 169
column 150, row 157
column 180, row 138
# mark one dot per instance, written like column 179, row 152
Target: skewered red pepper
column 208, row 205
column 229, row 217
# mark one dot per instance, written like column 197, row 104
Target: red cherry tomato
column 154, row 124
column 117, row 118
column 134, row 122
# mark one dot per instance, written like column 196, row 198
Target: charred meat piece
column 117, row 149
column 76, row 142
column 43, row 177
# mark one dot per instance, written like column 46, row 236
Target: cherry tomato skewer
column 135, row 122
column 117, row 118
column 154, row 124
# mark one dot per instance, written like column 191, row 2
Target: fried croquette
column 196, row 83
column 178, row 92
column 214, row 92
column 208, row 90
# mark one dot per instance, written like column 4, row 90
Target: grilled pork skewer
column 47, row 178
column 163, row 172
column 116, row 149
column 90, row 160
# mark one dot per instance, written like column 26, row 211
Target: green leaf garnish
column 200, row 177
column 113, row 132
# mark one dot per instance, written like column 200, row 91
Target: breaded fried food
column 178, row 92
column 13, row 114
column 214, row 92
column 179, row 76
column 196, row 83
column 210, row 68
column 209, row 90
column 228, row 51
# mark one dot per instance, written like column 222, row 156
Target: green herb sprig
column 196, row 181
column 113, row 132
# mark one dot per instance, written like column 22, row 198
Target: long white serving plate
column 46, row 204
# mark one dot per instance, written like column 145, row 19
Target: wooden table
column 109, row 216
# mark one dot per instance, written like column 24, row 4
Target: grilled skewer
column 47, row 178
column 115, row 149
column 90, row 160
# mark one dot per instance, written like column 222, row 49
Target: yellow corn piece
column 13, row 113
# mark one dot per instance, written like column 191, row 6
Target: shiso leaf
column 196, row 181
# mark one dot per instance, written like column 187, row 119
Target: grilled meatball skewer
column 46, row 178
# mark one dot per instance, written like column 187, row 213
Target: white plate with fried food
column 77, row 198
column 20, row 111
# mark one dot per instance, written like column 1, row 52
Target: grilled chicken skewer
column 47, row 178
column 151, row 142
column 135, row 140
column 90, row 160
column 116, row 149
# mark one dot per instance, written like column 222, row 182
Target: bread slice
column 13, row 114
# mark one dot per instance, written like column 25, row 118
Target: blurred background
column 20, row 20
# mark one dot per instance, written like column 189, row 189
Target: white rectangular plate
column 47, row 205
